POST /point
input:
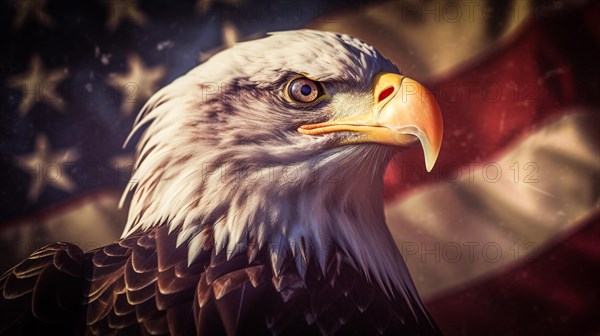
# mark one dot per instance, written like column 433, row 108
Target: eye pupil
column 305, row 90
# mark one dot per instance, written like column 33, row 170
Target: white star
column 120, row 10
column 123, row 161
column 34, row 9
column 123, row 166
column 137, row 84
column 47, row 167
column 230, row 35
column 38, row 84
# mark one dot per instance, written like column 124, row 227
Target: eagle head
column 281, row 144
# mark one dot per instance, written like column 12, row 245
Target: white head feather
column 227, row 168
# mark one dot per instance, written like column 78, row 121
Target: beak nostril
column 385, row 93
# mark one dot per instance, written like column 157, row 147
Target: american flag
column 73, row 76
column 502, row 237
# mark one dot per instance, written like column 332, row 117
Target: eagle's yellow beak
column 403, row 110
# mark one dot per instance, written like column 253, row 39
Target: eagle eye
column 304, row 90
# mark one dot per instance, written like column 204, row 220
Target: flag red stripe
column 506, row 94
column 554, row 293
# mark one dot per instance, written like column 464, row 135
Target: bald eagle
column 255, row 208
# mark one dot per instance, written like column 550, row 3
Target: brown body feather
column 142, row 285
